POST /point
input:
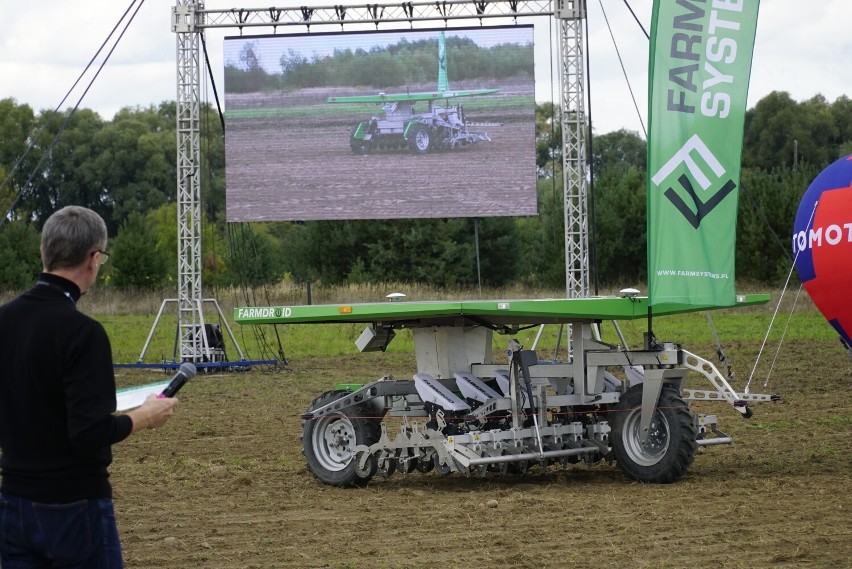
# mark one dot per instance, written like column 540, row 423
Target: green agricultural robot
column 441, row 127
column 462, row 412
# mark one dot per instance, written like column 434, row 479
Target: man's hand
column 153, row 413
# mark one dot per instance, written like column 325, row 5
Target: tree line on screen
column 124, row 169
column 381, row 67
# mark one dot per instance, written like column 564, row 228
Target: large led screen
column 380, row 125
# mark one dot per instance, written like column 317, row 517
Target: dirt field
column 302, row 167
column 224, row 485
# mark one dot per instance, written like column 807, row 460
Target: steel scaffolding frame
column 192, row 340
column 574, row 129
column 190, row 19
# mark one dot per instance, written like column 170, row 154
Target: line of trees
column 404, row 63
column 125, row 170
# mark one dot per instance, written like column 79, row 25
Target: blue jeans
column 79, row 535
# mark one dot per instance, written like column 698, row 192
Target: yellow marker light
column 345, row 310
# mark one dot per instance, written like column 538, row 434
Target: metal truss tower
column 190, row 19
column 190, row 320
column 572, row 48
column 192, row 342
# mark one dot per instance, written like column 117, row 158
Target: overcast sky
column 46, row 44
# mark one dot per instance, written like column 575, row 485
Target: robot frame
column 403, row 128
column 463, row 413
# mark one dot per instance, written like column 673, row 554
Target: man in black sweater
column 57, row 404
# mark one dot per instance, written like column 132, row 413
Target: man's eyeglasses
column 103, row 256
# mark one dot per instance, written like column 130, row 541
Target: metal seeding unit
column 463, row 413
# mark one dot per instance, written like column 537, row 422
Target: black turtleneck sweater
column 57, row 397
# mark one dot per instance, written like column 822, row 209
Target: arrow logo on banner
column 684, row 157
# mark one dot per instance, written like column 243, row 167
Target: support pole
column 191, row 337
column 572, row 46
column 192, row 344
column 476, row 245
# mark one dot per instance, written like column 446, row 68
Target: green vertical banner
column 700, row 63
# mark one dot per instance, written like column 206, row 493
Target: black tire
column 359, row 147
column 670, row 448
column 328, row 443
column 420, row 139
column 424, row 465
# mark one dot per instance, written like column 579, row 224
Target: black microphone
column 185, row 373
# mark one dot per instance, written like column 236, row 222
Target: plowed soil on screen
column 280, row 162
column 224, row 484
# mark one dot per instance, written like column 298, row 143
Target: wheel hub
column 654, row 448
column 334, row 443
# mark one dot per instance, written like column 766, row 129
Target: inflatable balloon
column 822, row 244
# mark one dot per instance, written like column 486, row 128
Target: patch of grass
column 367, row 109
column 835, row 421
column 773, row 426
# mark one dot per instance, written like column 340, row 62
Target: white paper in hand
column 132, row 397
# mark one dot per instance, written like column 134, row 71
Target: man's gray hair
column 70, row 235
